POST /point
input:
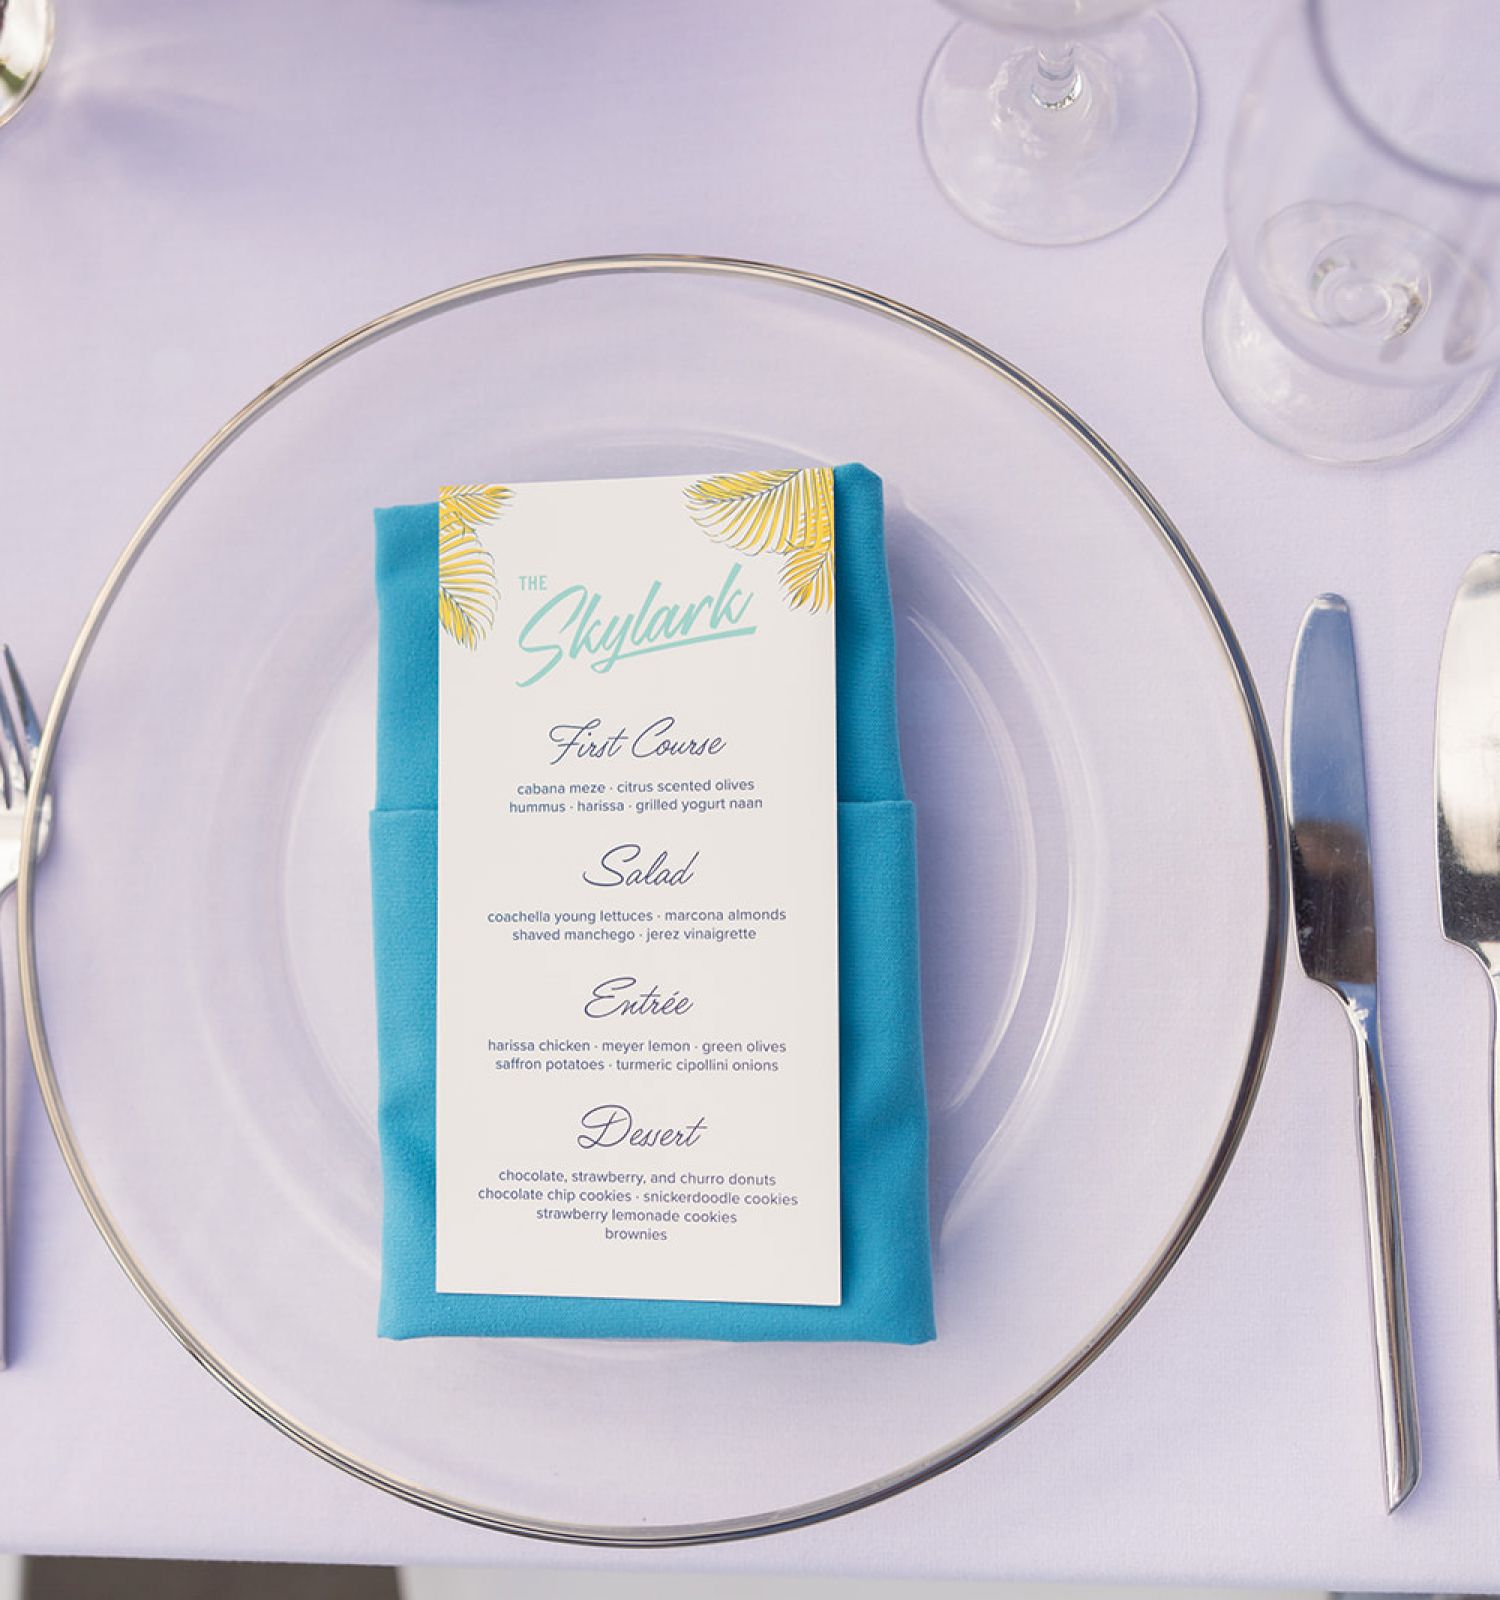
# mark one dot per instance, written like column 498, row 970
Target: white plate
column 1102, row 861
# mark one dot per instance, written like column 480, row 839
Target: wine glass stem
column 1055, row 80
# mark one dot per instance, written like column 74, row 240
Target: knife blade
column 1333, row 902
column 1468, row 818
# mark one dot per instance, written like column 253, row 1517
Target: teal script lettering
column 574, row 626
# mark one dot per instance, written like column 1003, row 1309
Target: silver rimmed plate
column 1102, row 860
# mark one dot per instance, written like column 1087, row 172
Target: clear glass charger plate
column 1101, row 855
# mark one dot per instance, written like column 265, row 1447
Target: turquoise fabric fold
column 887, row 1276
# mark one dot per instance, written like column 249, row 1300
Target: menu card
column 637, row 986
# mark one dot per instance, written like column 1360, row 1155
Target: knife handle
column 1494, row 973
column 1390, row 1317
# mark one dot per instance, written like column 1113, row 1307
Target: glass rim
column 29, row 83
column 1315, row 14
column 1267, row 980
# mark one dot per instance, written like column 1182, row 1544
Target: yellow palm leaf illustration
column 467, row 591
column 807, row 576
column 472, row 503
column 788, row 512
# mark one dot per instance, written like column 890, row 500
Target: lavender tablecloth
column 198, row 196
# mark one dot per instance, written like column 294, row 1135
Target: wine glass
column 1353, row 317
column 1056, row 121
column 25, row 44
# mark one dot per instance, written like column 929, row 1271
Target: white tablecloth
column 199, row 195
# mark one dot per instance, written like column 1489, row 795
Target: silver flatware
column 1333, row 903
column 1467, row 772
column 18, row 747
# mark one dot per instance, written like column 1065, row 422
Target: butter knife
column 1468, row 813
column 1333, row 902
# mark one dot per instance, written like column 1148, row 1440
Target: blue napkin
column 883, row 1118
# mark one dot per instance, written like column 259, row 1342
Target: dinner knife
column 1333, row 902
column 1468, row 815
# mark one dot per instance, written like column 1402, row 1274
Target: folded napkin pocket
column 887, row 1288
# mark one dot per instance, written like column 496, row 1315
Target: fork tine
column 12, row 774
column 30, row 724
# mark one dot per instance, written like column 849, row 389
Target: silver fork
column 17, row 752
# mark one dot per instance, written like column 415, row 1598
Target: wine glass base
column 25, row 44
column 1308, row 410
column 1064, row 173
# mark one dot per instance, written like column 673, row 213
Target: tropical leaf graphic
column 787, row 512
column 807, row 575
column 467, row 591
